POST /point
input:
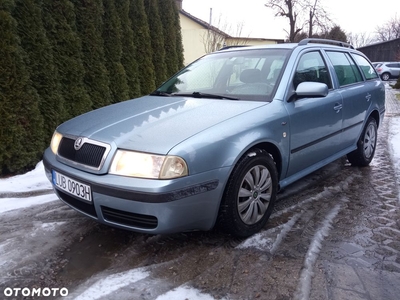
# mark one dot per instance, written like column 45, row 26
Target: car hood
column 154, row 124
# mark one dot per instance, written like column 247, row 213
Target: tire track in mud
column 29, row 238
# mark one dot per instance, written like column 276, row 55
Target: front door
column 315, row 123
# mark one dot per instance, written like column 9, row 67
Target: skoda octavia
column 216, row 142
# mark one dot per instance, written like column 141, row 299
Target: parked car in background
column 388, row 70
column 216, row 142
column 376, row 64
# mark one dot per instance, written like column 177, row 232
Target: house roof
column 204, row 24
column 215, row 29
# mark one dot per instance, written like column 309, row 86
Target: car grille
column 89, row 154
column 84, row 207
column 128, row 218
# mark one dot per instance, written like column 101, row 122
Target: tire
column 366, row 145
column 250, row 195
column 385, row 76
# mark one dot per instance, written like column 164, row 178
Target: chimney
column 179, row 4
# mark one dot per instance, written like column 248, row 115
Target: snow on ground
column 31, row 181
column 395, row 141
column 112, row 283
column 7, row 204
column 394, row 137
column 36, row 180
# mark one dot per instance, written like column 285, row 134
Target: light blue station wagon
column 216, row 142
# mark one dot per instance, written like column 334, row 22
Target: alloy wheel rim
column 254, row 194
column 369, row 141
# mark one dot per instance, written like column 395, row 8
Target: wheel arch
column 274, row 152
column 375, row 114
column 268, row 147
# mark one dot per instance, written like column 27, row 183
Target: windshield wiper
column 158, row 93
column 204, row 95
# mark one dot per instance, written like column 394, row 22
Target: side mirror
column 312, row 89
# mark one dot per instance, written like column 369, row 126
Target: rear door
column 356, row 94
column 395, row 69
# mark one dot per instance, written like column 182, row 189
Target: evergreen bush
column 62, row 58
column 128, row 58
column 40, row 63
column 142, row 41
column 113, row 52
column 21, row 124
column 89, row 21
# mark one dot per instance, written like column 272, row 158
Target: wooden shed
column 383, row 51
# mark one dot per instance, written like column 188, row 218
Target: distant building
column 383, row 51
column 199, row 37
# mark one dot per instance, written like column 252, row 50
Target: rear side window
column 345, row 68
column 367, row 69
column 312, row 68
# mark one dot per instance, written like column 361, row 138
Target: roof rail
column 233, row 46
column 325, row 41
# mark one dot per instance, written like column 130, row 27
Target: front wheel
column 250, row 194
column 366, row 145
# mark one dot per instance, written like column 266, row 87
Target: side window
column 367, row 69
column 345, row 69
column 312, row 67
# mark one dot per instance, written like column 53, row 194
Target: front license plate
column 72, row 186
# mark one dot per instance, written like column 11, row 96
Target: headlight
column 135, row 164
column 55, row 141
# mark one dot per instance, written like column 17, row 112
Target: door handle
column 338, row 107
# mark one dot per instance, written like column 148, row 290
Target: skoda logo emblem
column 78, row 143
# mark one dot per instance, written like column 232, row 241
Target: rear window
column 367, row 69
column 345, row 68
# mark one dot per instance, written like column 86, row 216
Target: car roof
column 305, row 42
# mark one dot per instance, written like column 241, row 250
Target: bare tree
column 389, row 31
column 217, row 37
column 289, row 9
column 213, row 39
column 317, row 17
column 360, row 39
column 311, row 11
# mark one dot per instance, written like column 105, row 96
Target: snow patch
column 185, row 292
column 394, row 141
column 303, row 289
column 263, row 240
column 31, row 181
column 7, row 204
column 111, row 283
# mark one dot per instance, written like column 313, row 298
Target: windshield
column 245, row 74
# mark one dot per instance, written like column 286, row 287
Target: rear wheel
column 250, row 194
column 366, row 145
column 385, row 76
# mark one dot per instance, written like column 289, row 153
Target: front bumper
column 146, row 205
